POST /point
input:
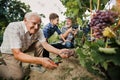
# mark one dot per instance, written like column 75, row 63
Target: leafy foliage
column 87, row 47
column 77, row 8
column 11, row 10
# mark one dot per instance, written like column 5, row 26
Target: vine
column 98, row 55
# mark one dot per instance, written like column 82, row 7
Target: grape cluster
column 100, row 20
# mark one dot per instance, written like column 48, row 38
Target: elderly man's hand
column 46, row 62
column 66, row 53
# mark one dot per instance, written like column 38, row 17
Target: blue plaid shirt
column 49, row 30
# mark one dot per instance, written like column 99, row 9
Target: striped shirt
column 16, row 35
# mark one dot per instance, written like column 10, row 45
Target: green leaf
column 79, row 4
column 82, row 62
column 79, row 51
column 105, row 65
column 69, row 4
column 115, row 59
column 79, row 20
column 100, row 42
column 91, row 68
column 75, row 11
column 95, row 1
column 97, row 57
column 104, row 1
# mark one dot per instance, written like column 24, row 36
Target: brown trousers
column 14, row 69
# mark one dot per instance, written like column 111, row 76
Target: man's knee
column 10, row 76
column 13, row 78
column 11, row 72
column 38, row 45
column 18, row 76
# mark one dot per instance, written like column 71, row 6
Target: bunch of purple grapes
column 100, row 20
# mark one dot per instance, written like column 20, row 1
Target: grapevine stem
column 91, row 15
column 106, row 43
column 98, row 4
column 91, row 32
column 91, row 5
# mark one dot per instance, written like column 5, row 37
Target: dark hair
column 53, row 16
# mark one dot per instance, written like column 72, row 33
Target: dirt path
column 69, row 69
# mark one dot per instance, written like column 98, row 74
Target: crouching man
column 20, row 37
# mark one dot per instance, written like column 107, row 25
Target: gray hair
column 30, row 14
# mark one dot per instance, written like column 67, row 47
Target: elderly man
column 20, row 37
column 69, row 31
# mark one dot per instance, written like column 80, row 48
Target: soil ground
column 69, row 69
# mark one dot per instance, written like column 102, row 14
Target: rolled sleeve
column 46, row 34
column 58, row 31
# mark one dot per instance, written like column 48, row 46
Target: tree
column 11, row 10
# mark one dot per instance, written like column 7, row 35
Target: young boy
column 52, row 27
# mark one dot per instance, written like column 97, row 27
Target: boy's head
column 54, row 18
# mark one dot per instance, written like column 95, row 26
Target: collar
column 24, row 27
column 51, row 25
